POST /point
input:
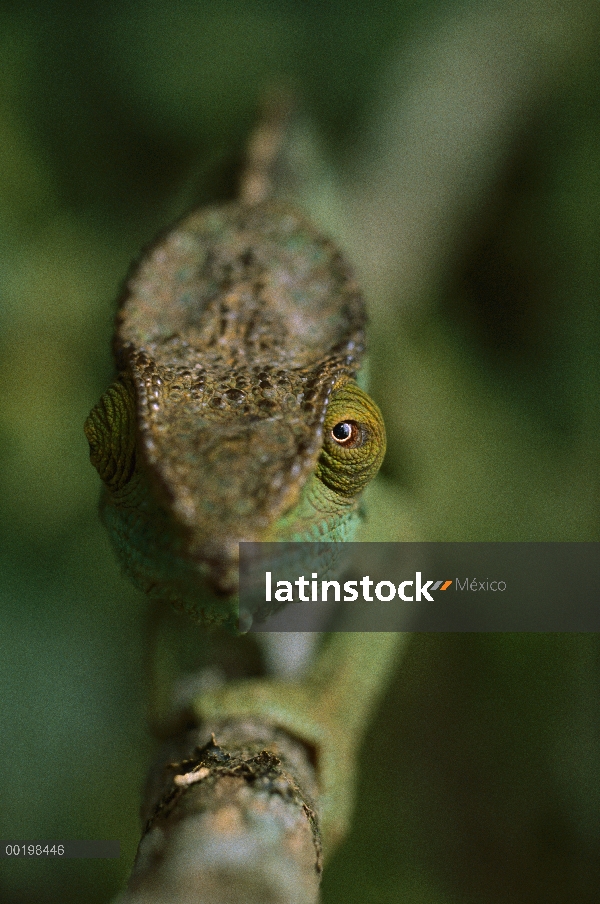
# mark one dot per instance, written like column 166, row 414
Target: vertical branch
column 229, row 817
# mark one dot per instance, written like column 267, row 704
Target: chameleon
column 238, row 413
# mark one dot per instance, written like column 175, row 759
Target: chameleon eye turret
column 110, row 431
column 354, row 441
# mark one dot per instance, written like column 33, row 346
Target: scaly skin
column 236, row 416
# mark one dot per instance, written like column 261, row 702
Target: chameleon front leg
column 328, row 712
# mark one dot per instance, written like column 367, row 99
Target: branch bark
column 230, row 817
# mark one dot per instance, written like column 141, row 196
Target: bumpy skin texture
column 238, row 337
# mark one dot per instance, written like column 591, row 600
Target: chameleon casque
column 235, row 414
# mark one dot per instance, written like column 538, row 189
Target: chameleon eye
column 347, row 433
column 354, row 443
column 110, row 431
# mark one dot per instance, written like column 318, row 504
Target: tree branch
column 230, row 816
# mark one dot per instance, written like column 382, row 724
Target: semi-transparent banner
column 420, row 586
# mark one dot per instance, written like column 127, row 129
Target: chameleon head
column 235, row 415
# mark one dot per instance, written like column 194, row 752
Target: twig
column 229, row 817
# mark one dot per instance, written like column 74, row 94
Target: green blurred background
column 466, row 141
